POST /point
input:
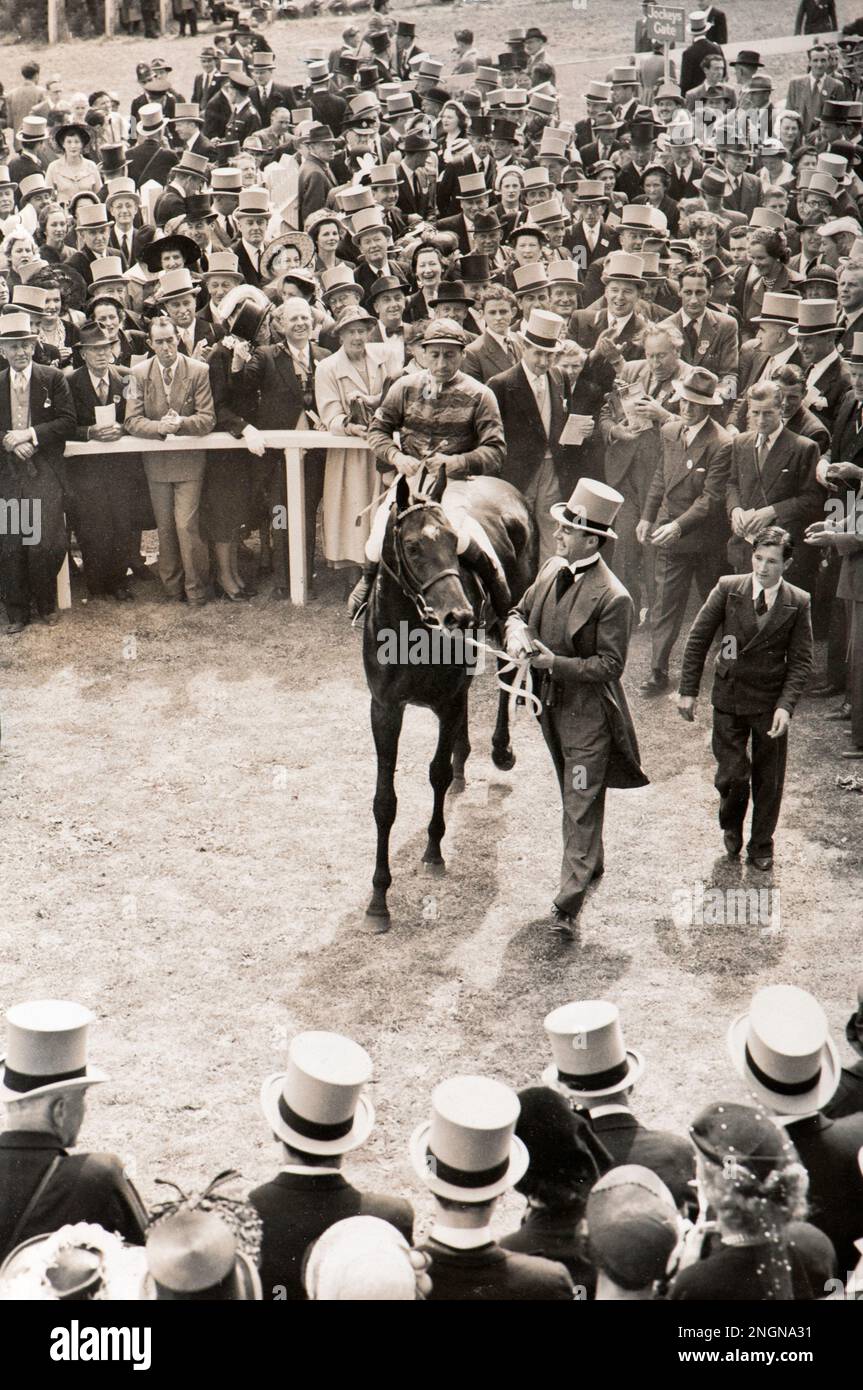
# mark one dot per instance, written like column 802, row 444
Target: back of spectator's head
column 361, row 1259
column 632, row 1227
column 566, row 1157
column 30, row 71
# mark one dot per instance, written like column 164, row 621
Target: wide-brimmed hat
column 316, row 1105
column 71, row 128
column 173, row 283
column 194, row 1255
column 781, row 1047
column 468, row 1150
column 590, row 1057
column 778, row 308
column 46, row 1039
column 301, row 240
column 544, row 330
column 815, row 316
column 699, row 386
column 713, row 182
column 835, row 226
column 189, row 249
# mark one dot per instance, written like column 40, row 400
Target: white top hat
column 622, row 265
column 369, row 220
column 316, row 1104
column 254, row 202
column 46, row 1049
column 782, row 1049
column 590, row 1057
column 544, row 330
column 468, row 1150
column 106, row 268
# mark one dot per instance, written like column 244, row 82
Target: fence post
column 109, row 19
column 295, row 491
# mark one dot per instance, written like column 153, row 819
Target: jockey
column 443, row 419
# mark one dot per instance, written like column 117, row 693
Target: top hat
column 191, row 163
column 563, row 272
column 223, row 263
column 747, row 58
column 782, row 1049
column 540, row 104
column 717, row 269
column 30, row 298
column 503, row 129
column 590, row 1058
column 468, row 1150
column 536, row 177
column 90, row 217
column 767, row 219
column 194, row 1255
column 33, row 129
column 598, row 91
column 641, row 217
column 528, row 278
column 622, row 265
column 815, row 316
column 369, row 220
column 549, row 213
column 226, row 180
column 553, row 144
column 429, row 67
column 341, row 277
column 651, row 269
column 624, row 77
column 186, row 111
column 173, row 283
column 697, row 21
column 515, row 97
column 544, row 330
column 150, row 118
column 406, row 28
column 632, row 1226
column 699, row 386
column 46, row 1039
column 400, row 104
column 474, row 269
column 354, row 198
column 316, row 1105
column 198, row 207
column 253, row 202
column 318, row 72
column 471, row 186
column 451, row 292
column 840, row 112
column 590, row 191
column 383, row 176
column 778, row 308
column 485, row 76
column 247, row 319
column 104, row 269
column 836, row 165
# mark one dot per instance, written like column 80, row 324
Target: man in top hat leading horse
column 44, row 1088
column 574, row 623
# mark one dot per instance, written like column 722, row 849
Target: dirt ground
column 187, row 842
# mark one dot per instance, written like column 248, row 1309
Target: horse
column 421, row 589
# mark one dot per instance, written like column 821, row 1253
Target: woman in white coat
column 348, row 389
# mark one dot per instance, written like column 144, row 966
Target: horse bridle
column 403, row 574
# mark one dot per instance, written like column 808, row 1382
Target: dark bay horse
column 422, row 604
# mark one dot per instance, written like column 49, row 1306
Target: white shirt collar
column 96, row 377
column 690, row 431
column 820, row 368
column 696, row 323
column 769, row 594
column 462, row 1238
column 253, row 252
column 23, row 376
column 780, row 358
column 502, row 342
column 771, row 438
column 302, row 1171
column 535, row 382
column 578, row 565
column 610, row 1109
column 618, row 323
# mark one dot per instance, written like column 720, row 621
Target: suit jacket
column 84, row 1187
column 170, row 203
column 621, row 455
column 591, row 152
column 52, row 414
column 141, row 238
column 848, row 1098
column 204, row 87
column 717, row 25
column 828, row 1150
column 278, row 95
column 139, row 157
column 683, row 186
column 691, row 71
column 329, row 108
column 808, row 100
column 271, row 373
column 217, row 114
column 418, row 197
column 598, row 626
column 831, row 386
column 752, row 363
column 786, row 481
column 85, row 400
column 447, row 185
column 668, row 1155
column 749, row 292
column 190, row 396
column 485, row 358
column 458, row 225
column 746, row 197
column 808, row 426
column 585, row 326
column 296, row 1209
column 251, row 274
column 314, row 184
column 584, row 255
column 689, row 487
column 770, row 665
column 526, row 440
column 716, row 348
column 491, row 1274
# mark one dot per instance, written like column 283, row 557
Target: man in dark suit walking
column 317, row 1112
column 36, row 419
column 574, row 623
column 762, row 667
column 44, row 1088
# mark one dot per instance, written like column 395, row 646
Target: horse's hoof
column 434, row 868
column 376, row 924
column 503, row 758
column 457, row 785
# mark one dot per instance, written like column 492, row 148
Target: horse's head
column 425, row 556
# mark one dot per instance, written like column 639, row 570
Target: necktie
column 103, row 390
column 760, row 604
column 543, row 403
column 760, row 451
column 127, row 247
column 859, row 417
column 168, row 377
column 565, row 580
column 691, row 335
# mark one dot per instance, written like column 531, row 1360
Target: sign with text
column 666, row 25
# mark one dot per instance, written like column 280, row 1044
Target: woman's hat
column 316, row 1105
column 778, row 308
column 468, row 1150
column 71, row 128
column 782, row 1048
column 728, row 1133
column 46, row 1039
column 350, row 315
column 590, row 1058
column 699, row 386
column 193, row 1255
column 301, row 240
column 150, row 256
column 361, row 1258
column 544, row 330
column 565, row 1151
column 632, row 1226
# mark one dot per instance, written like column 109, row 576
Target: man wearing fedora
column 574, row 623
column 530, row 397
column 188, row 176
column 170, row 394
column 44, row 1088
column 317, row 1112
column 762, row 667
column 317, row 145
column 36, row 419
column 416, row 188
column 467, row 1156
column 596, row 1072
column 684, row 514
column 782, row 1050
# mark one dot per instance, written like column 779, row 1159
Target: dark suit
column 688, row 489
column 204, row 87
column 217, row 114
column 752, row 363
column 668, row 1155
column 28, row 572
column 716, row 345
column 586, row 325
column 737, row 1274
column 585, row 255
column 84, row 1187
column 585, row 718
column 416, row 197
column 103, row 489
column 491, row 1274
column 485, row 358
column 296, row 1209
column 786, row 481
column 691, row 71
column 762, row 665
column 315, row 182
column 329, row 108
column 746, row 196
column 278, row 95
column 828, row 1150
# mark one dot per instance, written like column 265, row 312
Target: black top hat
column 482, row 125
column 406, row 28
column 369, row 75
column 451, row 292
column 226, row 152
column 439, row 96
column 199, row 208
column 112, row 159
column 474, row 269
column 506, row 62
column 248, row 320
column 348, row 64
column 505, row 130
column 379, row 41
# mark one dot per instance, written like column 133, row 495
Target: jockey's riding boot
column 362, row 589
column 492, row 577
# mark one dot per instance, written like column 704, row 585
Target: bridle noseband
column 403, row 575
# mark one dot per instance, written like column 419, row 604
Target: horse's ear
column 438, row 486
column 403, row 493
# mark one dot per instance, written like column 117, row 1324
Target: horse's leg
column 461, row 750
column 386, row 728
column 501, row 749
column 451, row 718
